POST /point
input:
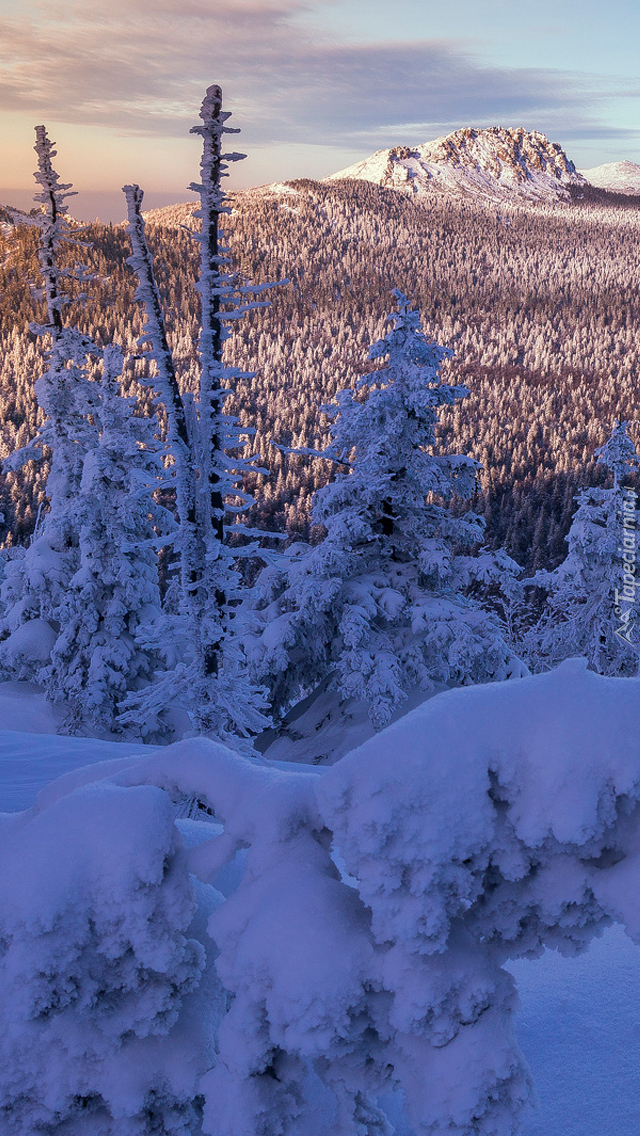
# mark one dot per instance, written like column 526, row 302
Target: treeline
column 540, row 306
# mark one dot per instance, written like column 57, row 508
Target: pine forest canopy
column 540, row 306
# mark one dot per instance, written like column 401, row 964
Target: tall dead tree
column 205, row 443
column 37, row 576
column 62, row 390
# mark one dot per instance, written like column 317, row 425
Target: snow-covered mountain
column 10, row 217
column 496, row 163
column 618, row 177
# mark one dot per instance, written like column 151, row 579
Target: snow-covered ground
column 579, row 1028
column 579, row 1023
column 324, row 727
column 31, row 752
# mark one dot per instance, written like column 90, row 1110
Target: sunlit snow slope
column 618, row 177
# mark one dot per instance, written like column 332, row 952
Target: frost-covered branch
column 36, row 577
column 166, row 383
column 53, row 226
column 147, row 292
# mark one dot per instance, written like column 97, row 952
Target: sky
column 314, row 85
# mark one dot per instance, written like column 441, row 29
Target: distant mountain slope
column 183, row 215
column 496, row 163
column 173, row 216
column 617, row 177
column 10, row 217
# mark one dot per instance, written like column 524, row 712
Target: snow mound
column 32, row 641
column 24, row 708
column 96, row 969
column 360, row 917
column 28, row 763
column 495, row 163
column 487, row 824
column 512, row 777
column 33, row 754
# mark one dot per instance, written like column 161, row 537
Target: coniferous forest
column 538, row 304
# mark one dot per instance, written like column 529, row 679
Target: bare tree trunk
column 166, row 383
column 214, row 285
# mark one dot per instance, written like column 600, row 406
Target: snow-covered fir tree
column 381, row 600
column 212, row 681
column 37, row 576
column 81, row 603
column 591, row 598
column 111, row 622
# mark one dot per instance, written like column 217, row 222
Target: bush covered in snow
column 97, row 963
column 358, row 952
column 591, row 596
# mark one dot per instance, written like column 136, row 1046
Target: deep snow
column 579, row 1029
column 579, row 1023
column 31, row 752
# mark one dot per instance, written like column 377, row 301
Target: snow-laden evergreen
column 81, row 603
column 37, row 577
column 111, row 622
column 212, row 682
column 591, row 603
column 382, row 598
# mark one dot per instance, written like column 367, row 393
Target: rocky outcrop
column 495, row 162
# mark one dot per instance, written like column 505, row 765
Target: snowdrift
column 362, row 917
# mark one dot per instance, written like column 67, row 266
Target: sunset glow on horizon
column 313, row 85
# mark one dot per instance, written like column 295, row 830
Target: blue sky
column 314, row 84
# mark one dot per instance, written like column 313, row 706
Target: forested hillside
column 540, row 306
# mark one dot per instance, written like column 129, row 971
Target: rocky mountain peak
column 495, row 162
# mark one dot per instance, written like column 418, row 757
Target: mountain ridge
column 615, row 177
